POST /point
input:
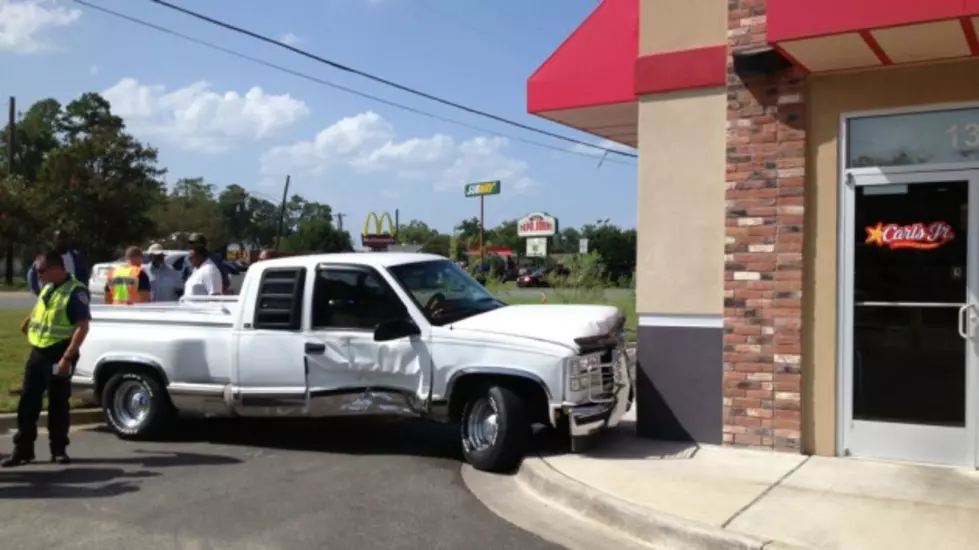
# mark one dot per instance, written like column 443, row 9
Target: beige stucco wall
column 829, row 97
column 680, row 249
column 672, row 25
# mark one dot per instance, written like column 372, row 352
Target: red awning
column 588, row 83
column 830, row 35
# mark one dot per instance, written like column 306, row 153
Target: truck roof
column 373, row 259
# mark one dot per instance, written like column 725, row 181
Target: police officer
column 55, row 330
column 128, row 284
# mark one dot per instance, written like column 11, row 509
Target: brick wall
column 763, row 247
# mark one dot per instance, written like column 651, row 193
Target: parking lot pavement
column 255, row 485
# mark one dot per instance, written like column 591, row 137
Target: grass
column 13, row 354
column 626, row 303
column 19, row 285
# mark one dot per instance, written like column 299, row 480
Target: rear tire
column 495, row 429
column 136, row 405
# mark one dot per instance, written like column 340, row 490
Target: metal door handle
column 965, row 321
column 313, row 347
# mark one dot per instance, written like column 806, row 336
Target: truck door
column 271, row 374
column 348, row 303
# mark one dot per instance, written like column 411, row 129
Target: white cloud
column 605, row 143
column 367, row 143
column 196, row 117
column 23, row 22
column 290, row 39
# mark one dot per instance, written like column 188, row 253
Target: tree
column 190, row 207
column 504, row 234
column 437, row 244
column 36, row 135
column 415, row 232
column 317, row 235
column 616, row 248
column 19, row 222
column 100, row 183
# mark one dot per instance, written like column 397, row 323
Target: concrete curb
column 661, row 530
column 8, row 421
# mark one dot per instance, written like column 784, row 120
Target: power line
column 385, row 81
column 329, row 84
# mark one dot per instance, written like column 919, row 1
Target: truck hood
column 557, row 323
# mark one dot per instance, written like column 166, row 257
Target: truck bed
column 214, row 311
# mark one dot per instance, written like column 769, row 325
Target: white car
column 363, row 334
column 96, row 281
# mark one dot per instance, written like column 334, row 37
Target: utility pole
column 482, row 248
column 11, row 138
column 340, row 216
column 282, row 213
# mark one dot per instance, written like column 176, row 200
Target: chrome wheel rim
column 131, row 404
column 482, row 425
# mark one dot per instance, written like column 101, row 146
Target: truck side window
column 353, row 299
column 279, row 304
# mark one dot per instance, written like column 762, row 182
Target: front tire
column 136, row 406
column 495, row 429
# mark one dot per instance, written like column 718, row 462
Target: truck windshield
column 444, row 291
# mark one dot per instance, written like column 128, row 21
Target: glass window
column 444, row 291
column 355, row 299
column 909, row 282
column 916, row 138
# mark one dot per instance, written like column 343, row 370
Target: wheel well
column 106, row 371
column 528, row 390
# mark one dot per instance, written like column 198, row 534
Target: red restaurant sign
column 537, row 224
column 919, row 235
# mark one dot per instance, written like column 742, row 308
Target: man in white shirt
column 205, row 280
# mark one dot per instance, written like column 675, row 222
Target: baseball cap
column 155, row 250
column 197, row 238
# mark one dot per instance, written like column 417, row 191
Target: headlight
column 578, row 371
column 579, row 365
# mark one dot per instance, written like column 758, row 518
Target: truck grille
column 603, row 384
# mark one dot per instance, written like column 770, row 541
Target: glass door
column 909, row 317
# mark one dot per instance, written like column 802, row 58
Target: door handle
column 315, row 348
column 965, row 321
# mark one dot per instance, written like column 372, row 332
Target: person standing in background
column 129, row 283
column 206, row 278
column 165, row 281
column 72, row 258
column 197, row 240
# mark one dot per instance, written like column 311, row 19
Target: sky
column 230, row 120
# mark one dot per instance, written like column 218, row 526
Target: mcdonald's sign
column 379, row 238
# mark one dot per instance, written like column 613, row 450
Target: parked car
column 363, row 334
column 533, row 279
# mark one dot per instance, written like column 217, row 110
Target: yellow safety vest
column 124, row 284
column 49, row 319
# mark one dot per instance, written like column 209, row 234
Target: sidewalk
column 678, row 495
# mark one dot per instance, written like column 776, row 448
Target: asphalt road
column 16, row 300
column 340, row 485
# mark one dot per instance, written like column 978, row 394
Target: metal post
column 282, row 214
column 11, row 140
column 397, row 226
column 340, row 216
column 482, row 248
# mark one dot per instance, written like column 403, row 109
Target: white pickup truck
column 363, row 334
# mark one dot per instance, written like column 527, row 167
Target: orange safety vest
column 124, row 284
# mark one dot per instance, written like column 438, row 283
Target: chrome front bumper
column 592, row 418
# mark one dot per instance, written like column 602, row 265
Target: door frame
column 851, row 180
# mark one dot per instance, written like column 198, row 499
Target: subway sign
column 483, row 188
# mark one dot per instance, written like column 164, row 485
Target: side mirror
column 394, row 329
